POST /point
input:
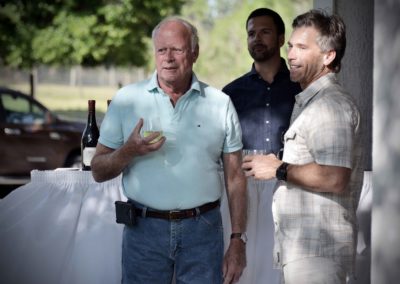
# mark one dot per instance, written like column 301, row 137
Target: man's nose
column 169, row 54
column 290, row 54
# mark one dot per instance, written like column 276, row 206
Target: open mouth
column 293, row 67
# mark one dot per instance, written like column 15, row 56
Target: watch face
column 244, row 237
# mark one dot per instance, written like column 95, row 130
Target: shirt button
column 267, row 139
column 268, row 88
column 267, row 104
column 267, row 122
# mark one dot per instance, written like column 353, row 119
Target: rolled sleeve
column 233, row 138
column 331, row 136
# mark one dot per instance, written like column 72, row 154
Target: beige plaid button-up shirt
column 325, row 127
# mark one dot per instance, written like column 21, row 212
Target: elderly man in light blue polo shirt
column 171, row 176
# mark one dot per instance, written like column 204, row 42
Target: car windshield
column 19, row 110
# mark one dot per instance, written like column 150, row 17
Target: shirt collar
column 282, row 70
column 152, row 85
column 312, row 90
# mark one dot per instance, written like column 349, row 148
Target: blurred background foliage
column 79, row 32
column 223, row 37
column 116, row 33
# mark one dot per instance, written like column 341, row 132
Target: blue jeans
column 153, row 249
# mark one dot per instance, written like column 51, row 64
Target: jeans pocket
column 212, row 219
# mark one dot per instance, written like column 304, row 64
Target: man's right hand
column 108, row 163
column 137, row 145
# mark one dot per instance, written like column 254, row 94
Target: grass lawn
column 70, row 102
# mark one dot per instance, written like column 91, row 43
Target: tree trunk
column 32, row 83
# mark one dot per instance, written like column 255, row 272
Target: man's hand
column 234, row 261
column 136, row 145
column 108, row 163
column 261, row 166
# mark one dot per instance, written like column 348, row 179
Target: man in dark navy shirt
column 264, row 99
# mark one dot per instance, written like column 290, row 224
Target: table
column 60, row 228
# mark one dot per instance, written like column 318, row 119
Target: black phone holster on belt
column 125, row 213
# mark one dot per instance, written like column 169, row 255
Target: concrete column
column 386, row 146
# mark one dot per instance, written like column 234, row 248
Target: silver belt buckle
column 171, row 214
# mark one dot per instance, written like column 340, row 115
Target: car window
column 20, row 110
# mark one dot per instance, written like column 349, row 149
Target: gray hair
column 192, row 29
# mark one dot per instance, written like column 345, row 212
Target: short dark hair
column 280, row 26
column 332, row 33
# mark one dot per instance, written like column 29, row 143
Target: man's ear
column 281, row 39
column 329, row 56
column 196, row 53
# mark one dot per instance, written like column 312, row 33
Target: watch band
column 281, row 171
column 241, row 236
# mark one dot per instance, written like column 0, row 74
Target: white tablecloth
column 260, row 233
column 60, row 228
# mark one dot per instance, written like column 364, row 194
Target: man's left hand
column 234, row 261
column 261, row 166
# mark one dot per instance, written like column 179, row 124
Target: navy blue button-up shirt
column 264, row 109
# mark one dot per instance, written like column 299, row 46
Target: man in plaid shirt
column 315, row 203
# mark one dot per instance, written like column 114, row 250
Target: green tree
column 71, row 32
column 79, row 32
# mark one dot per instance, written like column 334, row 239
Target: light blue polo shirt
column 184, row 172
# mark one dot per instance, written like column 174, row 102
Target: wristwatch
column 281, row 172
column 241, row 236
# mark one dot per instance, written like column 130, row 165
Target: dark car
column 32, row 137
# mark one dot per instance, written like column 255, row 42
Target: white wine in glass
column 150, row 126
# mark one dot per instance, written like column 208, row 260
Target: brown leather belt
column 176, row 214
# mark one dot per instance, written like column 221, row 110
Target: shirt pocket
column 296, row 148
column 289, row 146
column 290, row 135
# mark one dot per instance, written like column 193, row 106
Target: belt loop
column 197, row 211
column 144, row 211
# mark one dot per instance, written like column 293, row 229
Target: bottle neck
column 91, row 112
column 91, row 117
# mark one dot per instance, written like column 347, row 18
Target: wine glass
column 258, row 184
column 151, row 125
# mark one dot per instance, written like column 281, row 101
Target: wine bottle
column 90, row 136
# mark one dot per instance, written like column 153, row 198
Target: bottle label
column 88, row 154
